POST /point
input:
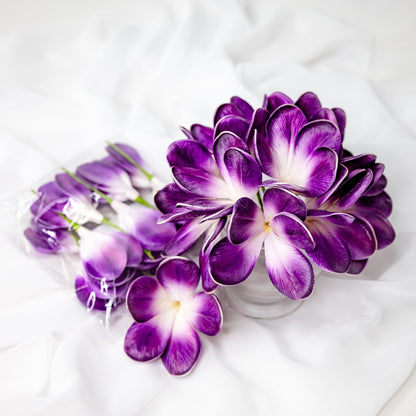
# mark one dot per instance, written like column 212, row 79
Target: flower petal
column 88, row 296
column 178, row 276
column 290, row 228
column 102, row 253
column 190, row 154
column 381, row 202
column 276, row 200
column 377, row 187
column 142, row 223
column 230, row 264
column 146, row 298
column 275, row 100
column 317, row 134
column 341, row 120
column 199, row 182
column 244, row 173
column 223, row 142
column 183, row 350
column 247, row 221
column 205, row 313
column 357, row 266
column 234, row 124
column 283, row 127
column 331, row 252
column 167, row 198
column 146, row 341
column 73, row 188
column 203, row 135
column 185, row 238
column 289, row 270
column 243, row 107
column 122, row 161
column 352, row 188
column 309, row 103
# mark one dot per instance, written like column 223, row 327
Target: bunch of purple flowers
column 276, row 178
column 75, row 214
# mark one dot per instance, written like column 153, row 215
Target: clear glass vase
column 256, row 297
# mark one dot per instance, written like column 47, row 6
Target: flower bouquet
column 274, row 181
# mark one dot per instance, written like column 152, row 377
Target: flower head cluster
column 70, row 215
column 277, row 178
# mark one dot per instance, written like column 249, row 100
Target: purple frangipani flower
column 109, row 179
column 129, row 160
column 168, row 314
column 281, row 229
column 299, row 155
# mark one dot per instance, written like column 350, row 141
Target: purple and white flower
column 282, row 232
column 168, row 313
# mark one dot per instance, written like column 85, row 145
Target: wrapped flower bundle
column 276, row 179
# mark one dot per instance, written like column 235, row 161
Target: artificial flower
column 168, row 313
column 281, row 229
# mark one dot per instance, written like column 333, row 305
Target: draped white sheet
column 137, row 71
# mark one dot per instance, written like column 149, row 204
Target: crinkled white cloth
column 135, row 72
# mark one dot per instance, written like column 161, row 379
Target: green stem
column 106, row 197
column 148, row 175
column 142, row 201
column 108, row 222
column 259, row 199
column 149, row 253
column 74, row 225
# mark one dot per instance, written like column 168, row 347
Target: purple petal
column 72, row 187
column 309, row 103
column 230, row 264
column 257, row 126
column 48, row 194
column 342, row 173
column 378, row 187
column 190, row 154
column 186, row 237
column 200, row 182
column 341, row 120
column 50, row 241
column 178, row 276
column 134, row 251
column 359, row 162
column 108, row 178
column 203, row 135
column 276, row 200
column 102, row 254
column 233, row 124
column 146, row 298
column 247, row 221
column 122, row 161
column 331, row 252
column 206, row 314
column 223, row 142
column 321, row 168
column 360, row 239
column 384, row 231
column 381, row 202
column 142, row 223
column 289, row 270
column 325, row 114
column 167, row 198
column 183, row 350
column 317, row 134
column 243, row 107
column 290, row 228
column 87, row 295
column 146, row 341
column 275, row 100
column 51, row 219
column 283, row 127
column 244, row 173
column 353, row 188
column 357, row 266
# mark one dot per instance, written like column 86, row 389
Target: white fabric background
column 74, row 74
